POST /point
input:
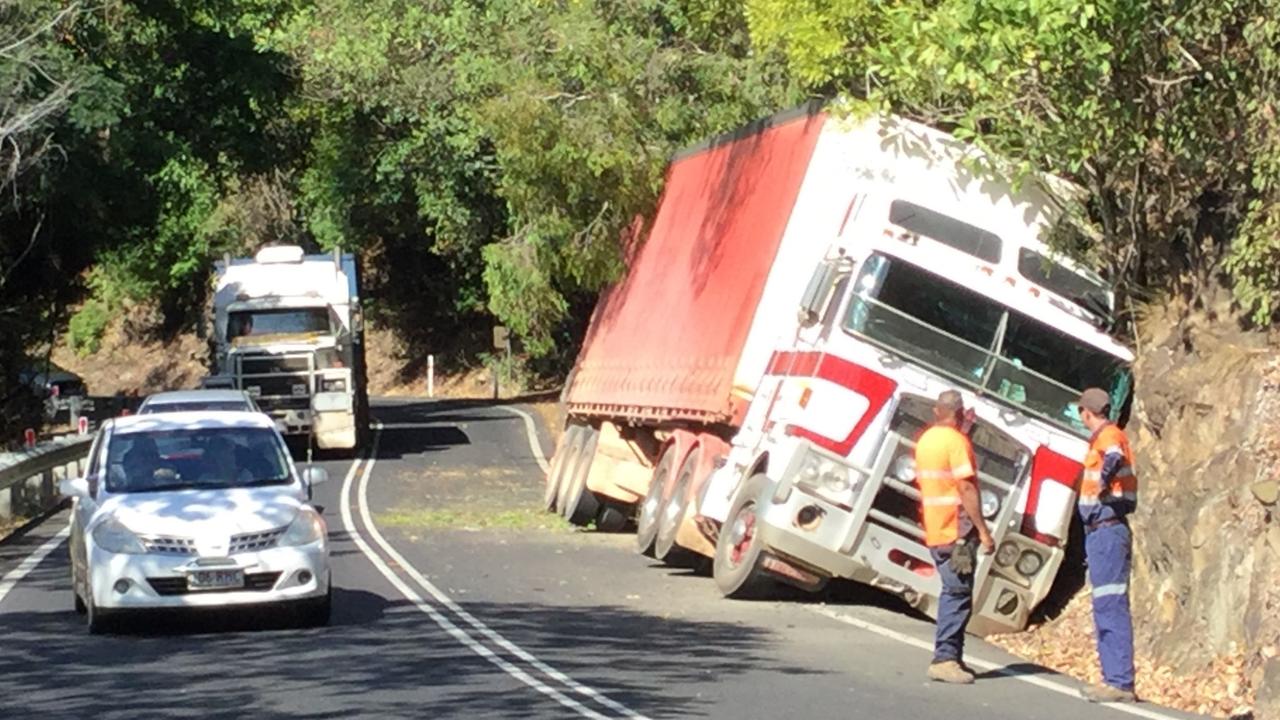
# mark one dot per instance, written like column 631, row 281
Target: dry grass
column 1066, row 644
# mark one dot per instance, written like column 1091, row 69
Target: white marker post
column 431, row 376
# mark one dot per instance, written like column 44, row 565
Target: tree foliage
column 1163, row 110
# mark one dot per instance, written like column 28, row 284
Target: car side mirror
column 76, row 487
column 315, row 475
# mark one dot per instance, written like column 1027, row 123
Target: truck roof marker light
column 988, row 271
column 805, row 395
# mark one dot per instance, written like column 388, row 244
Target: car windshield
column 204, row 458
column 195, row 406
column 981, row 343
column 279, row 321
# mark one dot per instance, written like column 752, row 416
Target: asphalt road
column 454, row 597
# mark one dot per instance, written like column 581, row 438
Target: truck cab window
column 947, row 230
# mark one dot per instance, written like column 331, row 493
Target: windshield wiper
column 165, row 487
column 264, row 481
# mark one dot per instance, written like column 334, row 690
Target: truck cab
column 288, row 331
column 930, row 281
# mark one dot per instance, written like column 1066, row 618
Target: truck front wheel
column 739, row 548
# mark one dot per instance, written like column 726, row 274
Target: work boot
column 950, row 671
column 1107, row 694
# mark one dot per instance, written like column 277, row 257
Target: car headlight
column 1007, row 554
column 306, row 528
column 904, row 468
column 111, row 535
column 1029, row 563
column 990, row 503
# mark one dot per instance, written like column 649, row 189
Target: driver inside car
column 142, row 464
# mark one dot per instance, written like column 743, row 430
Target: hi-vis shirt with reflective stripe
column 1109, row 489
column 944, row 459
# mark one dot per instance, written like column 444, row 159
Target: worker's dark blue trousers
column 1109, row 551
column 955, row 605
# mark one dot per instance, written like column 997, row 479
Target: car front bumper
column 158, row 580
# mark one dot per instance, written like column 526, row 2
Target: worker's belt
column 1105, row 523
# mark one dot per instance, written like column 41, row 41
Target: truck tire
column 676, row 507
column 580, row 504
column 736, row 567
column 556, row 472
column 572, row 456
column 612, row 517
column 652, row 505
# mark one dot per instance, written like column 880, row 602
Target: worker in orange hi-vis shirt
column 953, row 527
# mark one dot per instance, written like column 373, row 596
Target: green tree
column 1164, row 111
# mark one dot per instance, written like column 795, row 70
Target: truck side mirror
column 817, row 292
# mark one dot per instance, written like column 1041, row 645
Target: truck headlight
column 832, row 478
column 1029, row 563
column 990, row 503
column 111, row 535
column 904, row 468
column 306, row 528
column 333, row 385
column 1007, row 554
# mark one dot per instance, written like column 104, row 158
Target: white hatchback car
column 196, row 510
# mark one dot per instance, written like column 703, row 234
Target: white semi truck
column 288, row 330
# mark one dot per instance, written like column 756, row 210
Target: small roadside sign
column 501, row 335
column 82, row 425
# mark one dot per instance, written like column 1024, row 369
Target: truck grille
column 274, row 364
column 254, row 582
column 999, row 455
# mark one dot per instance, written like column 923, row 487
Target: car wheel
column 316, row 613
column 99, row 622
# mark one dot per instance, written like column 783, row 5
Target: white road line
column 440, row 619
column 32, row 561
column 997, row 668
column 896, row 636
column 417, row 426
column 470, row 619
column 532, row 430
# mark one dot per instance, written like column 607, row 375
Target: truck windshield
column 979, row 342
column 279, row 321
column 1090, row 293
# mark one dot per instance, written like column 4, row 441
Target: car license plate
column 215, row 579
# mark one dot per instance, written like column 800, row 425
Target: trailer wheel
column 653, row 504
column 674, row 510
column 579, row 505
column 612, row 518
column 556, row 471
column 572, row 456
column 736, row 568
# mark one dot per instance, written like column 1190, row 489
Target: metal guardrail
column 29, row 479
